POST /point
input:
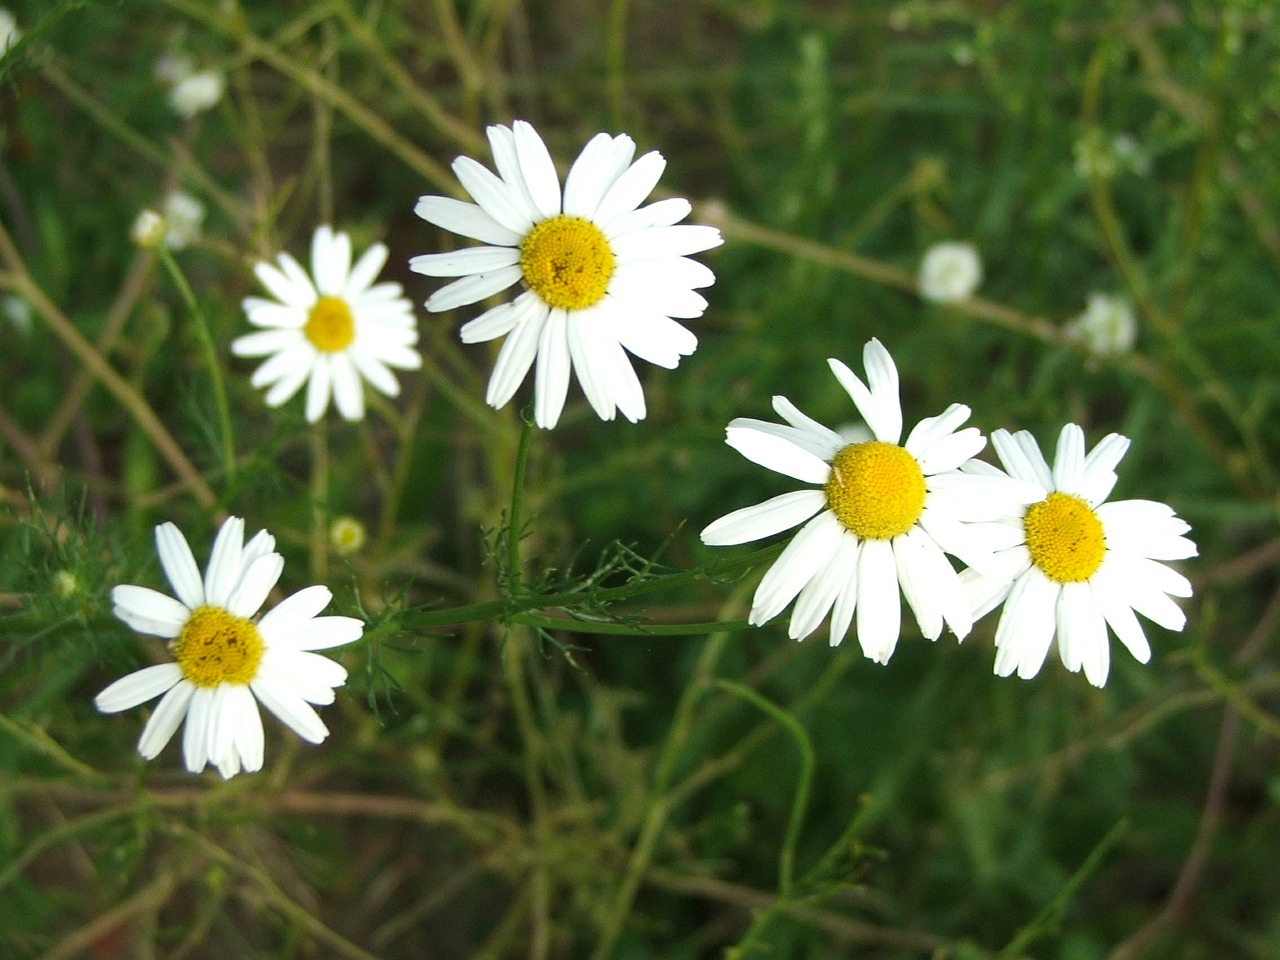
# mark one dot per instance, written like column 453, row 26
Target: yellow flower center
column 330, row 326
column 217, row 647
column 875, row 489
column 567, row 261
column 1065, row 538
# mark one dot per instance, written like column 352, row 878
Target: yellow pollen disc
column 875, row 489
column 1065, row 538
column 567, row 261
column 330, row 326
column 217, row 647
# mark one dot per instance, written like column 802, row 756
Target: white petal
column 168, row 716
column 466, row 219
column 472, row 289
column 138, row 687
column 225, row 569
column 149, row 611
column 1026, row 628
column 662, row 213
column 375, row 372
column 465, row 262
column 551, row 382
column 514, row 359
column 359, row 280
column 764, row 519
column 1100, row 466
column 587, row 351
column 1022, row 458
column 879, row 609
column 499, row 200
column 586, row 183
column 259, row 579
column 286, row 288
column 179, row 565
column 291, row 709
column 777, row 454
column 267, row 313
column 538, row 169
column 289, row 383
column 1068, row 461
column 318, row 389
column 1082, row 633
column 884, row 419
column 630, row 189
column 281, row 623
column 500, row 320
column 348, row 392
column 264, row 342
column 322, row 633
column 818, row 595
column 248, row 743
column 826, row 443
column 330, row 260
column 1109, row 596
column 656, row 339
column 197, row 733
column 808, row 552
column 653, row 243
column 287, row 364
column 846, row 603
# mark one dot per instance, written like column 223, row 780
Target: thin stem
column 319, row 437
column 517, row 502
column 211, row 358
column 124, row 392
column 800, row 801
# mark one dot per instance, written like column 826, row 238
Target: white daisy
column 885, row 515
column 1077, row 564
column 223, row 659
column 950, row 272
column 197, row 92
column 331, row 333
column 601, row 275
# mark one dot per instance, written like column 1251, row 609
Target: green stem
column 517, row 504
column 210, row 356
column 319, row 501
column 787, row 855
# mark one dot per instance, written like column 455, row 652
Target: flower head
column 9, row 32
column 148, row 229
column 223, row 659
column 882, row 519
column 331, row 329
column 602, row 276
column 1107, row 326
column 183, row 217
column 950, row 272
column 1075, row 564
column 196, row 92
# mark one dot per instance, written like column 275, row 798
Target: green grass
column 503, row 783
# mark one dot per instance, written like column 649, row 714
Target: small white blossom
column 184, row 218
column 949, row 272
column 197, row 92
column 9, row 32
column 1107, row 326
column 148, row 229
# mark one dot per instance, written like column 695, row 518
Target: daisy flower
column 222, row 658
column 1077, row 564
column 950, row 272
column 329, row 332
column 602, row 276
column 882, row 519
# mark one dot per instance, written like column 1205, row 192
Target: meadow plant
column 560, row 721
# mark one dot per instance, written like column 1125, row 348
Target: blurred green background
column 494, row 791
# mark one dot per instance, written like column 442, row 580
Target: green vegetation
column 559, row 738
